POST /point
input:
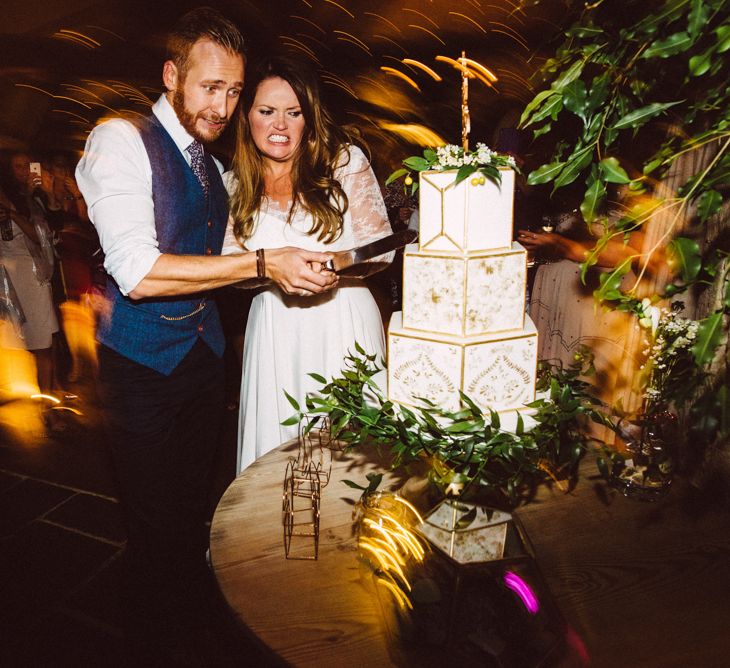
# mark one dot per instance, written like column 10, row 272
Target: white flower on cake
column 483, row 162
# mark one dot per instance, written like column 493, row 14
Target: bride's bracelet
column 260, row 263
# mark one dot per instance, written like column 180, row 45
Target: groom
column 157, row 200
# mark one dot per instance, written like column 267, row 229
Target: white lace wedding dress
column 288, row 337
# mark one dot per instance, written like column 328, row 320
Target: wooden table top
column 638, row 584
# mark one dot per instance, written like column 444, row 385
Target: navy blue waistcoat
column 160, row 332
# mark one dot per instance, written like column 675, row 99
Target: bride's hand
column 299, row 272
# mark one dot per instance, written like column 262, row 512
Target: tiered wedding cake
column 463, row 325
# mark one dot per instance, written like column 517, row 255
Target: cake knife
column 353, row 262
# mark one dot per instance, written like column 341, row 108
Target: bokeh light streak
column 430, row 20
column 400, row 597
column 92, row 82
column 338, row 5
column 398, row 73
column 298, row 43
column 347, row 37
column 468, row 18
column 340, row 84
column 433, row 34
column 425, row 68
column 312, row 23
column 392, row 41
column 71, row 113
column 414, row 133
column 457, row 65
column 79, row 89
column 304, row 49
column 512, row 33
column 480, row 68
column 522, row 589
column 382, row 18
column 66, row 31
column 73, row 39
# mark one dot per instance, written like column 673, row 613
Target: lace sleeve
column 231, row 246
column 366, row 207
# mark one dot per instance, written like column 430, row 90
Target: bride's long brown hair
column 314, row 187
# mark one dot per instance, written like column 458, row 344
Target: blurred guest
column 562, row 305
column 27, row 256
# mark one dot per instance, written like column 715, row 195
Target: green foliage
column 465, row 448
column 616, row 77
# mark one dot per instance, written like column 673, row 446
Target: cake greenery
column 467, row 451
column 482, row 161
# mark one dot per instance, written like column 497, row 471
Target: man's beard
column 187, row 120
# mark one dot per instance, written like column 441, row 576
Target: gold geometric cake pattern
column 463, row 326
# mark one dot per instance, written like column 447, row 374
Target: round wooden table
column 308, row 613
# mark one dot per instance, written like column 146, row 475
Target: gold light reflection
column 339, row 6
column 414, row 133
column 468, row 18
column 382, row 18
column 398, row 73
column 426, row 30
column 425, row 68
column 386, row 540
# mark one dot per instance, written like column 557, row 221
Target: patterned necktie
column 197, row 163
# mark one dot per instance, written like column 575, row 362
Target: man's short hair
column 202, row 23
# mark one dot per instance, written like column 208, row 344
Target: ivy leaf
column 612, row 171
column 697, row 17
column 595, row 194
column 683, row 256
column 395, row 176
column 610, row 282
column 576, row 163
column 465, row 171
column 545, row 174
column 292, row 401
column 708, row 204
column 723, row 38
column 599, row 92
column 534, row 105
column 417, row 163
column 699, row 64
column 551, row 109
column 670, row 46
column 638, row 117
column 574, row 98
column 709, row 336
column 571, row 74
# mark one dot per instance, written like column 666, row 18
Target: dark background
column 56, row 83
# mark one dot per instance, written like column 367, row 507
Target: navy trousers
column 163, row 432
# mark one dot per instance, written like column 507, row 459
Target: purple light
column 522, row 589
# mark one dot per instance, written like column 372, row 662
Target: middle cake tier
column 464, row 294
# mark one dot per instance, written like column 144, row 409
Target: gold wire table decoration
column 306, row 475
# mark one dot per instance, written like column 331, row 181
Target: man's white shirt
column 115, row 178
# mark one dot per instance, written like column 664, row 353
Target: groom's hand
column 296, row 271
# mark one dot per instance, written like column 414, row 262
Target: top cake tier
column 471, row 217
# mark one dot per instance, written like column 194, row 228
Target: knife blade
column 353, row 262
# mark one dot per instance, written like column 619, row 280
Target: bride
column 298, row 180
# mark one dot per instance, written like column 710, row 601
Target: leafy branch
column 467, row 450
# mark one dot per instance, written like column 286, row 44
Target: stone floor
column 61, row 538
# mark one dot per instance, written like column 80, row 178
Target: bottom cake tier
column 497, row 371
